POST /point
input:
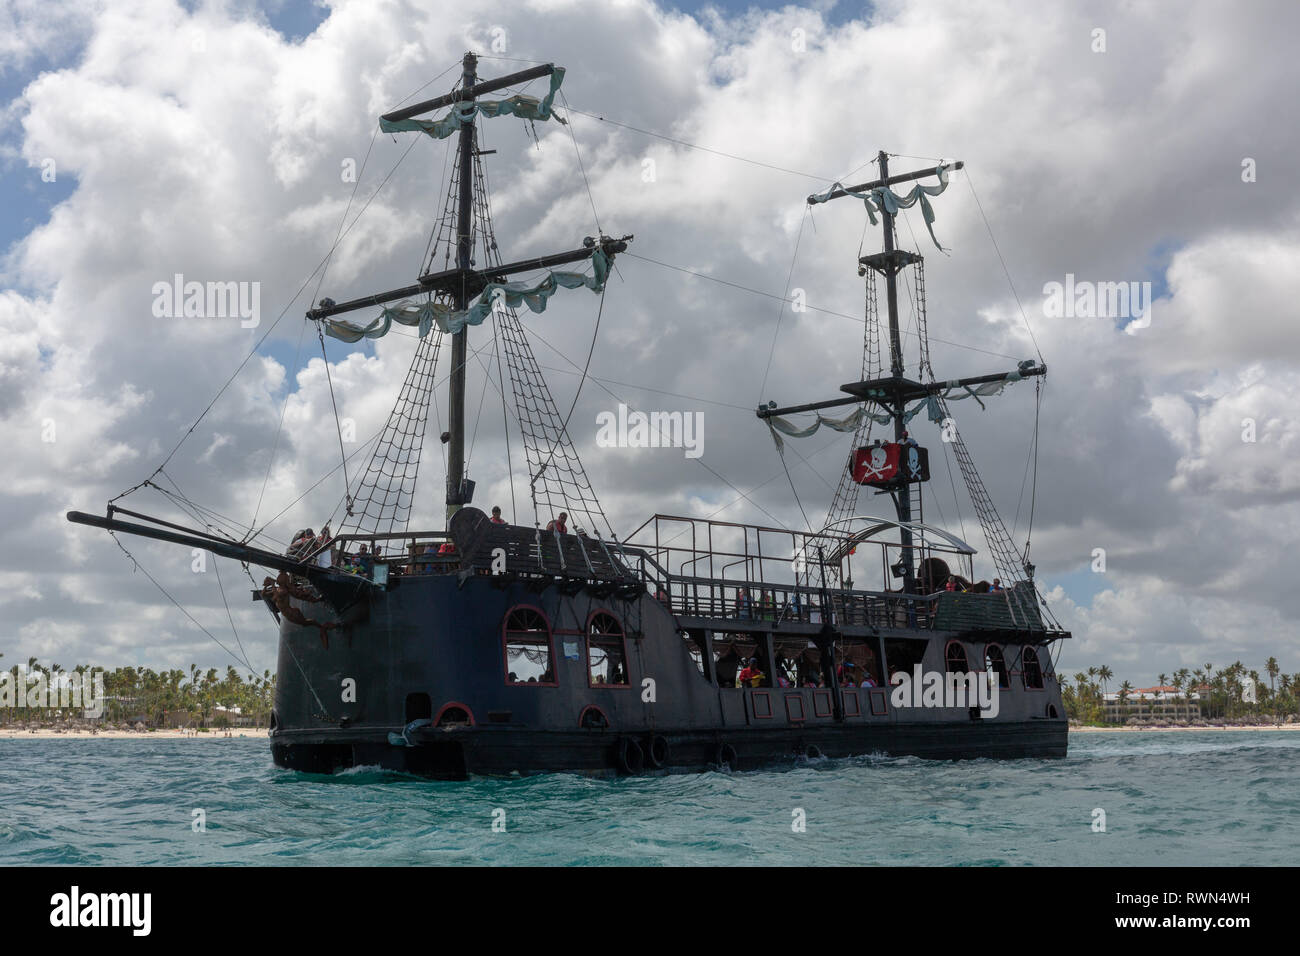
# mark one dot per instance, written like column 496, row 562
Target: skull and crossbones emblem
column 913, row 462
column 875, row 468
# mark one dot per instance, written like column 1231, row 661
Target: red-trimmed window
column 954, row 657
column 606, row 652
column 879, row 702
column 529, row 656
column 995, row 660
column 1031, row 670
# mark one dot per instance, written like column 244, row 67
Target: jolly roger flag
column 890, row 464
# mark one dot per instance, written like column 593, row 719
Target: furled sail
column 521, row 105
column 952, row 391
column 535, row 295
column 882, row 198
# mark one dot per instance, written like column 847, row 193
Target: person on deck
column 997, row 585
column 951, row 585
column 322, row 547
column 302, row 543
column 751, row 675
column 743, row 604
column 365, row 562
column 496, row 515
column 425, row 566
column 559, row 524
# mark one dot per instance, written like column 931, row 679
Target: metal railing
column 409, row 553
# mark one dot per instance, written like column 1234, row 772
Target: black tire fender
column 631, row 758
column 657, row 751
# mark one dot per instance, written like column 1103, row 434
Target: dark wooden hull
column 440, row 640
column 467, row 751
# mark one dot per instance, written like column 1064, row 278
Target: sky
column 1103, row 143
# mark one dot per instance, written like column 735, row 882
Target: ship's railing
column 406, row 553
column 778, row 557
column 719, row 570
column 746, row 602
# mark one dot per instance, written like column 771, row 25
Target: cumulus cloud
column 206, row 144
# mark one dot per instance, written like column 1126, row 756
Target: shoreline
column 51, row 734
column 1161, row 730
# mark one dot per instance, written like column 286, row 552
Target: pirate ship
column 487, row 646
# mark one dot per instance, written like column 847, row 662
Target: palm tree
column 1177, row 683
column 1272, row 668
column 1105, row 673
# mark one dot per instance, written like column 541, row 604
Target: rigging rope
column 1033, row 493
column 809, row 306
column 338, row 425
column 1005, row 270
column 505, row 424
column 135, row 562
column 216, row 567
column 564, row 426
column 781, row 313
column 279, row 427
column 278, row 318
column 700, row 460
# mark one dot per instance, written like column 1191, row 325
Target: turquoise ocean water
column 1215, row 798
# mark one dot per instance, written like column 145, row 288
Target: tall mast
column 891, row 290
column 890, row 267
column 459, row 341
column 894, row 392
column 456, row 295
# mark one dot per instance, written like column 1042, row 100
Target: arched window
column 606, row 652
column 527, row 642
column 1031, row 670
column 955, row 658
column 996, row 662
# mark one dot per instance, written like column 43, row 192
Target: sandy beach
column 12, row 734
column 1160, row 730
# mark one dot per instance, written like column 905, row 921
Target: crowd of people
column 765, row 608
column 319, row 549
column 733, row 670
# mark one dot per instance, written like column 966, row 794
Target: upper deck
column 730, row 576
column 734, row 576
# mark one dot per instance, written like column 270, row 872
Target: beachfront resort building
column 1154, row 702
